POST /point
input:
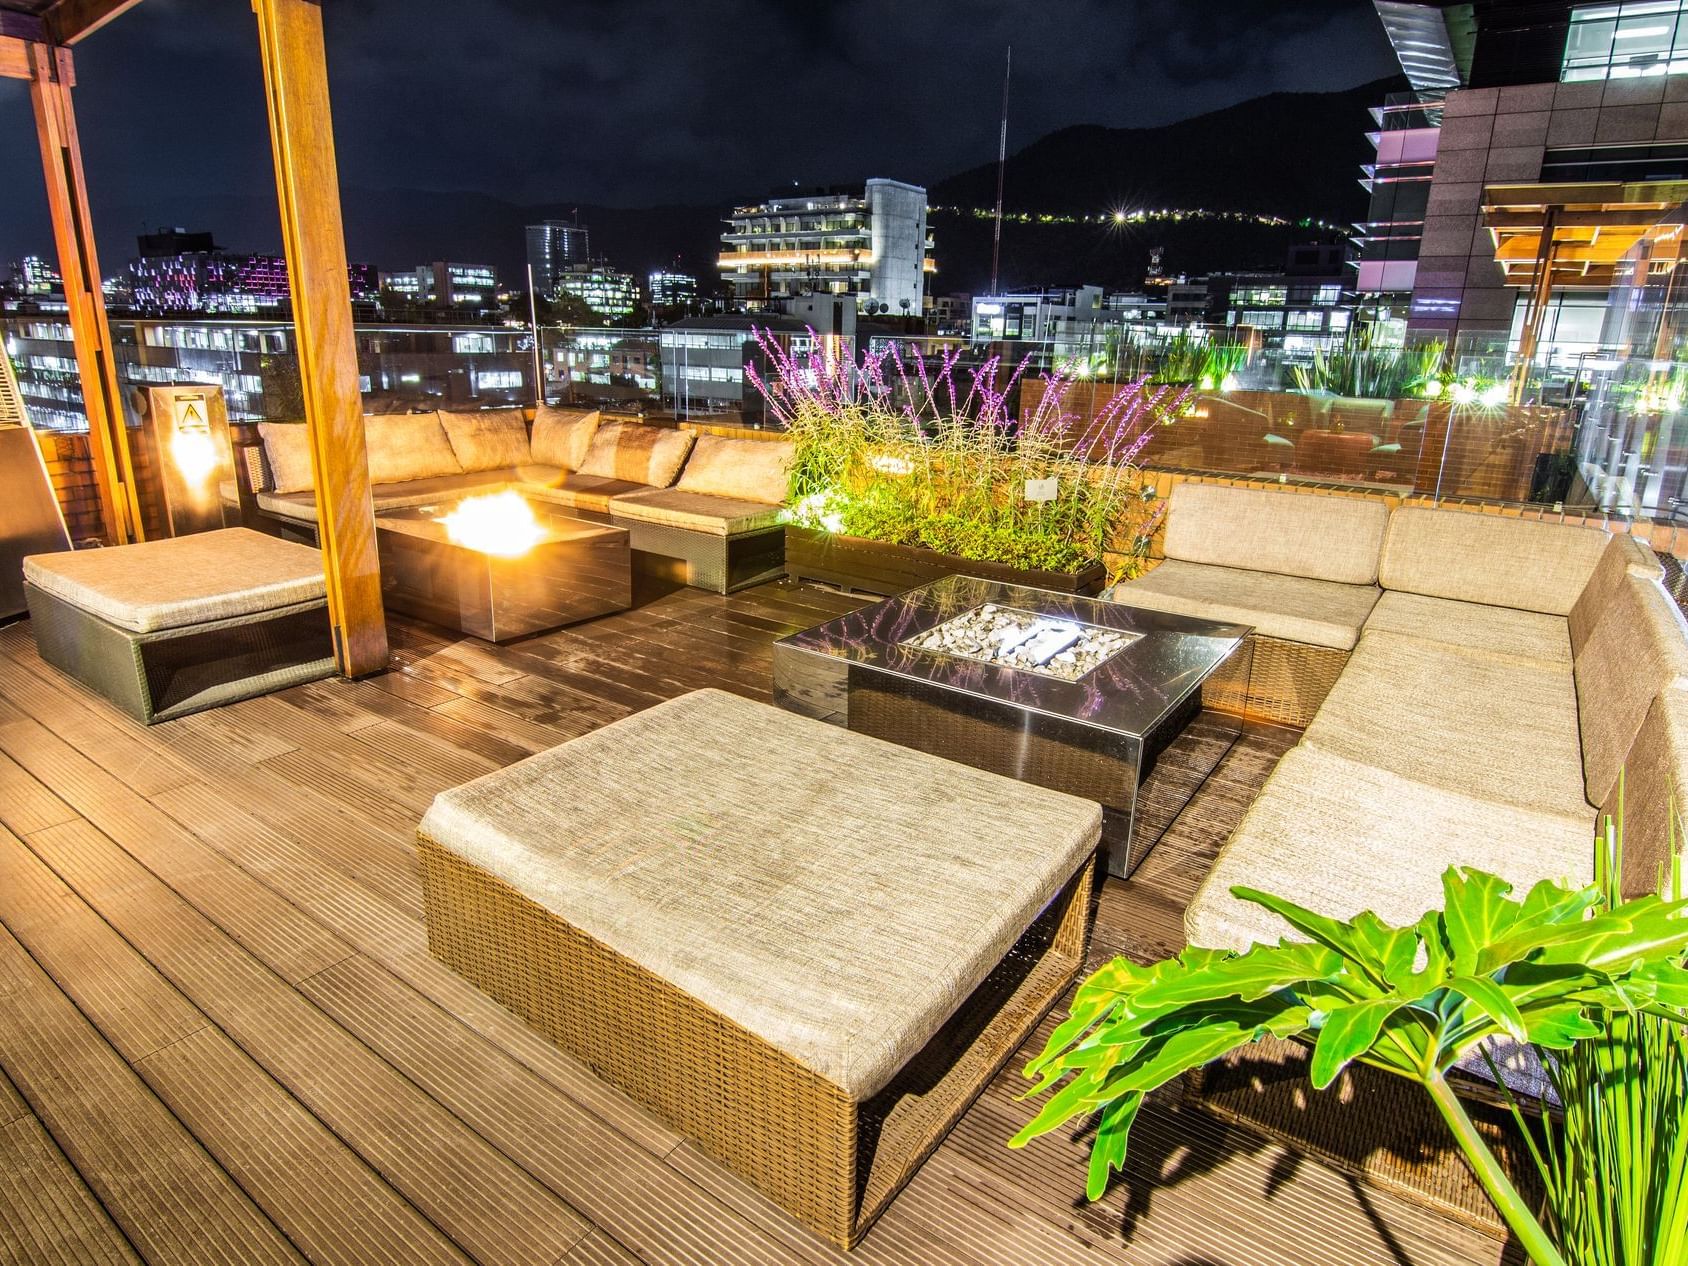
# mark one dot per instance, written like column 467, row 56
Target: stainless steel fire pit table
column 1127, row 707
column 556, row 570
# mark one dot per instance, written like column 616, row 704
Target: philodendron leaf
column 1333, row 934
column 1475, row 912
column 1493, row 1001
column 1108, row 1151
column 1346, row 1033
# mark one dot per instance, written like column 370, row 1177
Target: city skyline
column 515, row 110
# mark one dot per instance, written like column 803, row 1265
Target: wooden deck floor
column 223, row 1039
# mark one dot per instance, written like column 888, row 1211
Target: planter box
column 855, row 563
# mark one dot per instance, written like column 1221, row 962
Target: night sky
column 642, row 102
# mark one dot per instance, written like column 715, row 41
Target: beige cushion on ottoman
column 1320, row 537
column 743, row 470
column 756, row 945
column 1339, row 836
column 1504, row 562
column 637, row 453
column 183, row 580
column 695, row 511
column 836, row 895
column 1293, row 608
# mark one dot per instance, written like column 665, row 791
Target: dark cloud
column 635, row 102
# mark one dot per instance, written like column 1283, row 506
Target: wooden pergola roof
column 36, row 38
column 1584, row 235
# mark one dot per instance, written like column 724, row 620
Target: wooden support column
column 51, row 75
column 308, row 188
column 1535, row 314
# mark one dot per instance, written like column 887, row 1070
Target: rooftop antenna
column 1001, row 164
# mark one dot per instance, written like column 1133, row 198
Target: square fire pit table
column 1128, row 707
column 496, row 587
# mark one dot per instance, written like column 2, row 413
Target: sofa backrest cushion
column 1654, row 794
column 406, row 446
column 1639, row 648
column 1623, row 555
column 487, row 439
column 746, row 470
column 641, row 454
column 287, row 451
column 562, row 436
column 1471, row 557
column 1293, row 534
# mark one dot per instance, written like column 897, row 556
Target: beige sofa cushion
column 1624, row 555
column 631, row 451
column 1470, row 557
column 301, row 506
column 184, row 580
column 487, row 439
column 1294, row 608
column 1340, row 836
column 1654, row 790
column 1639, row 647
column 1293, row 534
column 837, row 896
column 745, row 470
column 1474, row 626
column 695, row 511
column 1485, row 725
column 582, row 492
column 405, row 446
column 562, row 436
column 287, row 451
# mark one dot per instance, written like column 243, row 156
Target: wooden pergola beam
column 73, row 232
column 71, row 20
column 308, row 189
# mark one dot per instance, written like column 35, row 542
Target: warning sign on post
column 191, row 415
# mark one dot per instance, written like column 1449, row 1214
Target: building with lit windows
column 553, row 248
column 1520, row 111
column 1306, row 305
column 672, row 290
column 703, row 359
column 443, row 284
column 611, row 294
column 1067, row 322
column 873, row 245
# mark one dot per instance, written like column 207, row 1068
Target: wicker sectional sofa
column 717, row 518
column 1507, row 672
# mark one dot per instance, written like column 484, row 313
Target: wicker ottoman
column 805, row 948
column 169, row 627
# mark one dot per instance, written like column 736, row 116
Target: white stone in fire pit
column 1024, row 640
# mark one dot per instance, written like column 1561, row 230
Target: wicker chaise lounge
column 170, row 627
column 810, row 957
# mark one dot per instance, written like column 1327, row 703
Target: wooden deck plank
column 153, row 1179
column 327, row 1201
column 481, row 1200
column 247, row 839
column 47, row 1214
column 577, row 1156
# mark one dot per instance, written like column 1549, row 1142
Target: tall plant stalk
column 900, row 451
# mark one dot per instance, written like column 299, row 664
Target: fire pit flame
column 500, row 523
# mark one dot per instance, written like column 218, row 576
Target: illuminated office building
column 873, row 245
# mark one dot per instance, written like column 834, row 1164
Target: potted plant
column 1595, row 984
column 900, row 476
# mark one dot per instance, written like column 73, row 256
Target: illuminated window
column 1626, row 41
